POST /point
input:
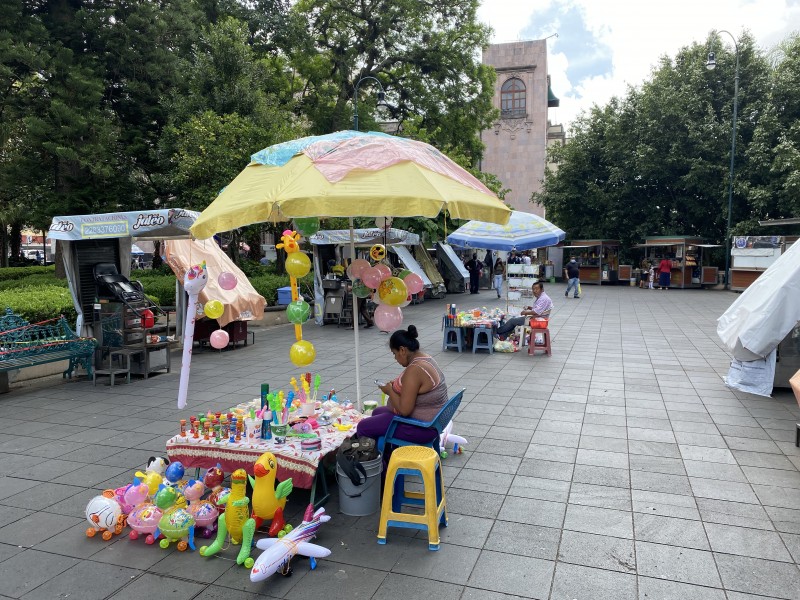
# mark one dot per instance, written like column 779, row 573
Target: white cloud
column 635, row 33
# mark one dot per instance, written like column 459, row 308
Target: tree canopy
column 656, row 161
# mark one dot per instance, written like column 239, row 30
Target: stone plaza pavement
column 619, row 468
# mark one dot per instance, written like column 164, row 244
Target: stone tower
column 516, row 144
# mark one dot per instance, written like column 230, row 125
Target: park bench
column 24, row 344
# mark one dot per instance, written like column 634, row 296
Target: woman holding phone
column 419, row 392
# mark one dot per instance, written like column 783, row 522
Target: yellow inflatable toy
column 266, row 497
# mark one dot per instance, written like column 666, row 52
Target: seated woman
column 419, row 392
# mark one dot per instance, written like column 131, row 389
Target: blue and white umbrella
column 524, row 231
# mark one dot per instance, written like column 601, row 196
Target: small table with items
column 460, row 326
column 301, row 465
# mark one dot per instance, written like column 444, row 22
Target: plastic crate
column 538, row 323
column 285, row 295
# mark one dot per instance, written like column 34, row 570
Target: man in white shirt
column 541, row 308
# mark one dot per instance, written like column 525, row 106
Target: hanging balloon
column 386, row 272
column 388, row 318
column 377, row 252
column 392, row 291
column 302, row 353
column 298, row 312
column 298, row 264
column 406, row 302
column 219, row 339
column 227, row 281
column 376, row 299
column 356, row 267
column 414, row 283
column 404, row 273
column 307, row 226
column 214, row 309
column 371, row 277
column 360, row 289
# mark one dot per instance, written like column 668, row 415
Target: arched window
column 512, row 99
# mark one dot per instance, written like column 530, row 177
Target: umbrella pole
column 359, row 404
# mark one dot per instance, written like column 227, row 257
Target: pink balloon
column 227, row 280
column 371, row 277
column 219, row 339
column 385, row 271
column 414, row 283
column 388, row 318
column 356, row 268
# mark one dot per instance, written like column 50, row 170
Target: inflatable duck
column 266, row 497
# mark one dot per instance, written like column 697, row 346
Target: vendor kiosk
column 598, row 260
column 752, row 255
column 686, row 254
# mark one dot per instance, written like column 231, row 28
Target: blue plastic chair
column 438, row 423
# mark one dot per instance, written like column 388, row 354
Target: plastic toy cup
column 308, row 409
column 369, row 406
column 279, row 433
column 253, row 427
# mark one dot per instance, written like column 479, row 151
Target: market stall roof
column 365, row 237
column 141, row 224
column 790, row 221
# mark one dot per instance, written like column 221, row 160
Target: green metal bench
column 23, row 344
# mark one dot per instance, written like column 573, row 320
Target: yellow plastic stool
column 425, row 463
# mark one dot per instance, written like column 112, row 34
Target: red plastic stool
column 532, row 337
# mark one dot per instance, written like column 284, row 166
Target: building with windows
column 516, row 144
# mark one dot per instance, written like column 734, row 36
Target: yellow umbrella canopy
column 349, row 174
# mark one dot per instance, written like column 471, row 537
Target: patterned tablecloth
column 292, row 461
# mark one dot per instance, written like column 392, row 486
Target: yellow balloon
column 214, row 309
column 152, row 480
column 377, row 252
column 298, row 264
column 302, row 353
column 393, row 291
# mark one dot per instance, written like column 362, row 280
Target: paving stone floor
column 619, row 468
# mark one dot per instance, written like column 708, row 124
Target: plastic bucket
column 365, row 499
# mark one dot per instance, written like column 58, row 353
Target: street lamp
column 381, row 98
column 711, row 64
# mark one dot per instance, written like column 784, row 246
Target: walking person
column 651, row 276
column 573, row 272
column 474, row 267
column 664, row 273
column 499, row 271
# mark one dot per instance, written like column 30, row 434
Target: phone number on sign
column 104, row 229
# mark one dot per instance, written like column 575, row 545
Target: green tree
column 424, row 53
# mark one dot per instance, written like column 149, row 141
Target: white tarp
column 362, row 237
column 410, row 263
column 765, row 312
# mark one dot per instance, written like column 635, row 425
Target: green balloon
column 298, row 312
column 360, row 289
column 402, row 274
column 308, row 226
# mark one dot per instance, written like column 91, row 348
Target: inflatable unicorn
column 193, row 282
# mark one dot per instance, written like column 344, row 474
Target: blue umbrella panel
column 524, row 231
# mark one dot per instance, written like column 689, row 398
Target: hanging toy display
column 302, row 352
column 194, row 281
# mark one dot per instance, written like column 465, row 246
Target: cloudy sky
column 603, row 45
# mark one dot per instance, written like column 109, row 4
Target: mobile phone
column 379, row 383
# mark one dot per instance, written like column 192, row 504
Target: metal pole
column 733, row 154
column 355, row 98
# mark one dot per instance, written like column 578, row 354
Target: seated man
column 541, row 308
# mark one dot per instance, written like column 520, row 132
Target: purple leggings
column 376, row 426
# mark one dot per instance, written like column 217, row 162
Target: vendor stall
column 686, row 254
column 598, row 260
column 752, row 255
column 329, row 289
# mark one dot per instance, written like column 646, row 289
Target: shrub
column 10, row 273
column 160, row 288
column 39, row 303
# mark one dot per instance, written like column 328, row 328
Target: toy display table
column 301, row 466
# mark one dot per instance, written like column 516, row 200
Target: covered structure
column 598, row 260
column 686, row 254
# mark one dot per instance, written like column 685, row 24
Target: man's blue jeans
column 574, row 282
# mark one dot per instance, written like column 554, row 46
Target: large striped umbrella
column 524, row 231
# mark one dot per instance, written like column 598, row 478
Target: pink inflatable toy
column 204, row 512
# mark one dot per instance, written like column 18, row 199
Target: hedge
column 39, row 303
column 11, row 273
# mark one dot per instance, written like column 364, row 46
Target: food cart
column 686, row 254
column 752, row 255
column 598, row 260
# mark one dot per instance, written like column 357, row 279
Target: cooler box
column 285, row 295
